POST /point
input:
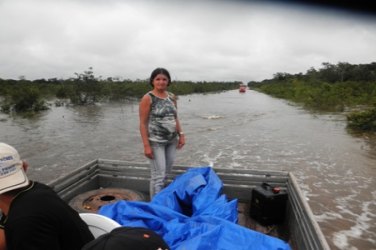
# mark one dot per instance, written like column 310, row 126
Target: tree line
column 341, row 87
column 85, row 88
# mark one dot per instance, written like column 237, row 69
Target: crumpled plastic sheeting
column 193, row 214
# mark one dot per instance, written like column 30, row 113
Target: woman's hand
column 148, row 152
column 181, row 141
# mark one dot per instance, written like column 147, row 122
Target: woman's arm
column 144, row 110
column 179, row 129
column 181, row 141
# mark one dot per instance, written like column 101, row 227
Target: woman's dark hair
column 158, row 71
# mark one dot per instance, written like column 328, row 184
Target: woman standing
column 160, row 128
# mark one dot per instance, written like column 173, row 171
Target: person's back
column 39, row 219
column 34, row 216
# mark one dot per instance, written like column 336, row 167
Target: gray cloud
column 195, row 40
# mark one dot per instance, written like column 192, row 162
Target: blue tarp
column 193, row 214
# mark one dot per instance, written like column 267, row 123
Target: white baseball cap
column 12, row 174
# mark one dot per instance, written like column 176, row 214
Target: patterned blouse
column 162, row 119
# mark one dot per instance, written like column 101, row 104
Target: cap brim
column 14, row 181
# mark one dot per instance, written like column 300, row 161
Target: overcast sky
column 195, row 40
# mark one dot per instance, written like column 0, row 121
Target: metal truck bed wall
column 238, row 183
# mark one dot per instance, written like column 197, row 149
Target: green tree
column 87, row 88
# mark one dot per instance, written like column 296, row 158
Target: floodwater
column 336, row 170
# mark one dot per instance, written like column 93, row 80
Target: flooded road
column 336, row 170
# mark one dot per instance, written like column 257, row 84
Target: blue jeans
column 161, row 165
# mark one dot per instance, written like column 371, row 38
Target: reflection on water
column 336, row 170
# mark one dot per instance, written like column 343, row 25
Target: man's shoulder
column 39, row 189
column 42, row 186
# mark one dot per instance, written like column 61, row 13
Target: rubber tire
column 91, row 201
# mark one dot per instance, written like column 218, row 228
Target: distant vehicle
column 242, row 88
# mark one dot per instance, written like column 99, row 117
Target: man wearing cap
column 34, row 216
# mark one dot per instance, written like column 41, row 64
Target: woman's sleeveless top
column 162, row 119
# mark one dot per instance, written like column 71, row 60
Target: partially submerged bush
column 24, row 99
column 363, row 120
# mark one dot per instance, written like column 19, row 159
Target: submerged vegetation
column 21, row 99
column 364, row 120
column 341, row 87
column 85, row 88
